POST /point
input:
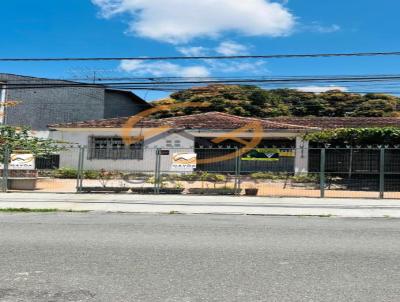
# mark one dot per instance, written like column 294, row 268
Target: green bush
column 91, row 174
column 306, row 178
column 199, row 176
column 71, row 173
column 66, row 173
column 216, row 178
column 189, row 177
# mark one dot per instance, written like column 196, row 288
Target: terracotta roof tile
column 224, row 121
column 340, row 122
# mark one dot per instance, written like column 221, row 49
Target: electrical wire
column 161, row 58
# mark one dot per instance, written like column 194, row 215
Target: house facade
column 105, row 147
column 38, row 107
column 212, row 135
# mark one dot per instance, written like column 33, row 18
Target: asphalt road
column 126, row 257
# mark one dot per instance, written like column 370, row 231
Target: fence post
column 82, row 167
column 157, row 172
column 322, row 173
column 6, row 158
column 79, row 179
column 382, row 174
column 237, row 172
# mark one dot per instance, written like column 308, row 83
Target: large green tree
column 257, row 102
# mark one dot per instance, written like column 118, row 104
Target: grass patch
column 26, row 210
column 311, row 215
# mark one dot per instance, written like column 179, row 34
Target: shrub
column 198, row 176
column 66, row 173
column 90, row 174
column 71, row 173
column 306, row 178
column 189, row 177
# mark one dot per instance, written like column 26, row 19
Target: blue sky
column 93, row 28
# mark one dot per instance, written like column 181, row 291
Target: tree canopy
column 356, row 137
column 20, row 139
column 253, row 101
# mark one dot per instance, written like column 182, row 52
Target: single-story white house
column 206, row 134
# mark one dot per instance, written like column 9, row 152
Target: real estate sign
column 21, row 162
column 267, row 154
column 184, row 160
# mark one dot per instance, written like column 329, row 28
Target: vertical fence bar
column 6, row 159
column 159, row 181
column 239, row 172
column 79, row 174
column 382, row 174
column 2, row 171
column 236, row 172
column 157, row 172
column 322, row 173
column 82, row 168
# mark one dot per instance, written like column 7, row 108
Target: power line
column 360, row 84
column 361, row 78
column 272, row 56
column 177, row 89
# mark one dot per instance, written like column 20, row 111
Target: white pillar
column 301, row 160
column 2, row 104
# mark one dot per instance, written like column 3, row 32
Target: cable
column 359, row 84
column 165, row 78
column 272, row 56
column 211, row 81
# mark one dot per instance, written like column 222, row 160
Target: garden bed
column 150, row 190
column 104, row 189
column 214, row 191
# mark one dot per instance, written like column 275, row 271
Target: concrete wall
column 121, row 104
column 40, row 107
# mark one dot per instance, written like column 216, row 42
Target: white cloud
column 160, row 69
column 208, row 67
column 324, row 29
column 225, row 48
column 193, row 51
column 252, row 67
column 179, row 21
column 230, row 48
column 319, row 89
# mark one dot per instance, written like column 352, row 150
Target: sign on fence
column 184, row 160
column 265, row 154
column 262, row 155
column 21, row 162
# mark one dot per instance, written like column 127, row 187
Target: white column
column 2, row 104
column 301, row 160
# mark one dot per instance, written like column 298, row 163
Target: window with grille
column 173, row 144
column 114, row 148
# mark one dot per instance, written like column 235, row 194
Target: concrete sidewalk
column 187, row 204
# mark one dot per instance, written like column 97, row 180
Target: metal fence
column 326, row 172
